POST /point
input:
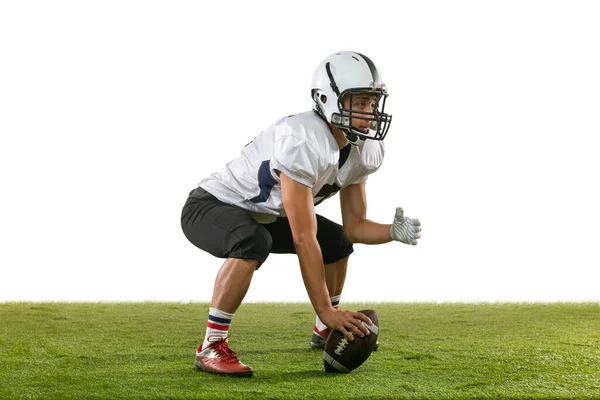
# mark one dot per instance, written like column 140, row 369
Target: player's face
column 361, row 103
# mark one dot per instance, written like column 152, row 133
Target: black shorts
column 226, row 231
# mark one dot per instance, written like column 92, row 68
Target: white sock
column 217, row 326
column 320, row 326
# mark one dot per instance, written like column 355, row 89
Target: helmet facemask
column 378, row 120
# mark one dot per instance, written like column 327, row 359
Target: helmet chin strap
column 351, row 137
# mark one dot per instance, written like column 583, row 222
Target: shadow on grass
column 272, row 350
column 267, row 376
column 290, row 376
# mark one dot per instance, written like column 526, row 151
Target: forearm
column 368, row 232
column 313, row 274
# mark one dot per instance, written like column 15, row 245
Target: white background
column 112, row 111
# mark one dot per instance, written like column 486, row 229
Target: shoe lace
column 225, row 353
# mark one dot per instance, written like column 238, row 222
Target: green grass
column 428, row 351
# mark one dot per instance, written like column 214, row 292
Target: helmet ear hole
column 323, row 99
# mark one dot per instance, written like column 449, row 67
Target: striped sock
column 320, row 328
column 217, row 326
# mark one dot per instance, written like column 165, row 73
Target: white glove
column 404, row 229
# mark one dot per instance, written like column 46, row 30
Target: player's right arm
column 299, row 207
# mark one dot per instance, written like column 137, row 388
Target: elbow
column 349, row 233
column 351, row 230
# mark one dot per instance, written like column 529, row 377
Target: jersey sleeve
column 295, row 158
column 361, row 179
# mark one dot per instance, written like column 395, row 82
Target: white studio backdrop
column 111, row 112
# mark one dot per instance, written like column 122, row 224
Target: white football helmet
column 347, row 73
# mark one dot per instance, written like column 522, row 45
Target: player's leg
column 228, row 232
column 335, row 275
column 232, row 283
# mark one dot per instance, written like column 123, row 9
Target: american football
column 342, row 355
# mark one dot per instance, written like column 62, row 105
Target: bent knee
column 256, row 244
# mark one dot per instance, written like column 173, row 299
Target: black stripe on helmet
column 330, row 75
column 372, row 67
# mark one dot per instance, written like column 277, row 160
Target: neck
column 338, row 136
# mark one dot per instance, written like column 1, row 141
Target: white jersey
column 302, row 147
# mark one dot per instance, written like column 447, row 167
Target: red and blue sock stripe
column 219, row 323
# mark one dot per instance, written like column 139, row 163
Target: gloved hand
column 404, row 229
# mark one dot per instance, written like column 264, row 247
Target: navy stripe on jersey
column 218, row 320
column 335, row 303
column 265, row 182
column 326, row 192
column 374, row 73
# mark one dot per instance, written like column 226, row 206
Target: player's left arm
column 359, row 229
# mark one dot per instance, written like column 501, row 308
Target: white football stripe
column 373, row 328
column 334, row 363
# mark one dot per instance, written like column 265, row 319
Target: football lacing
column 341, row 346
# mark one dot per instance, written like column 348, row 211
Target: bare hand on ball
column 347, row 322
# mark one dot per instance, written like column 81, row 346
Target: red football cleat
column 318, row 339
column 218, row 358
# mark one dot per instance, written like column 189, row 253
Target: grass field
column 428, row 351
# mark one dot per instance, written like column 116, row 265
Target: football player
column 264, row 202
